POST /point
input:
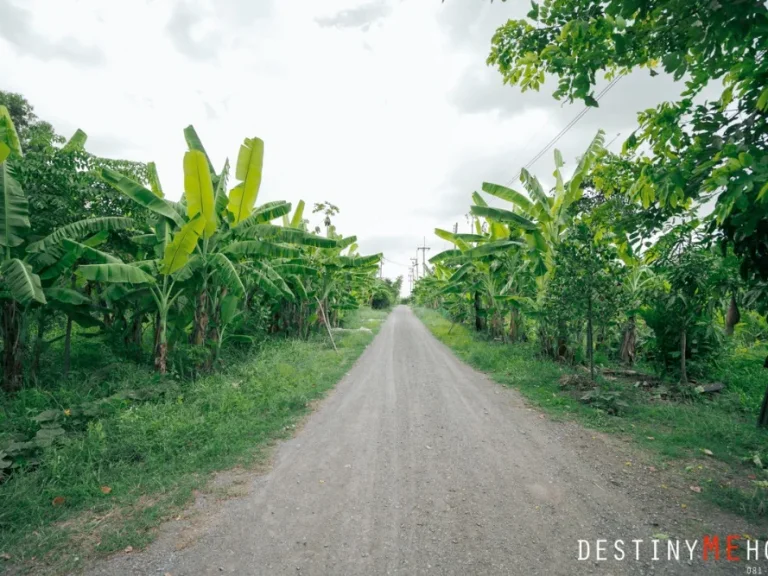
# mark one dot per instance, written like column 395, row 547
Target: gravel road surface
column 417, row 464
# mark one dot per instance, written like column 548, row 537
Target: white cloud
column 386, row 109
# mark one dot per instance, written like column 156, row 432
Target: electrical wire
column 564, row 131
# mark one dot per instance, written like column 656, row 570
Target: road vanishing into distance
column 417, row 464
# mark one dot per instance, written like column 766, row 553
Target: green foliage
column 150, row 440
column 695, row 150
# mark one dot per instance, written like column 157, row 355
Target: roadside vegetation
column 642, row 274
column 147, row 341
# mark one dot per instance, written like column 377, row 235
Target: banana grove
column 592, row 273
column 188, row 272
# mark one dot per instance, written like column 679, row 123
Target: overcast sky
column 385, row 108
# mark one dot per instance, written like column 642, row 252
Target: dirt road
column 417, row 464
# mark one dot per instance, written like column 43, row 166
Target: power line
column 564, row 131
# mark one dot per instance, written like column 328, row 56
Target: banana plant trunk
column 39, row 343
column 478, row 309
column 68, row 347
column 590, row 342
column 161, row 357
column 513, row 325
column 683, row 345
column 628, row 343
column 201, row 318
column 12, row 364
column 732, row 317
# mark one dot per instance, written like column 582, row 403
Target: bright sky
column 385, row 108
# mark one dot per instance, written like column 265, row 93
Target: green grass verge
column 676, row 432
column 153, row 454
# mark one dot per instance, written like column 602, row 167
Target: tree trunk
column 156, row 342
column 590, row 343
column 479, row 325
column 628, row 343
column 513, row 325
column 732, row 317
column 67, row 347
column 201, row 319
column 762, row 420
column 683, row 374
column 134, row 335
column 12, row 366
column 35, row 368
column 161, row 359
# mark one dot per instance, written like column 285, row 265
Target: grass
column 117, row 476
column 677, row 432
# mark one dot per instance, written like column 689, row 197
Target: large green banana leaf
column 451, row 237
column 471, row 237
column 358, row 261
column 66, row 296
column 92, row 254
column 227, row 273
column 221, row 190
column 503, row 216
column 79, row 229
column 250, row 161
column 491, row 248
column 461, row 272
column 445, row 254
column 298, row 215
column 265, row 213
column 194, row 143
column 290, row 235
column 14, row 209
column 22, row 283
column 274, row 277
column 509, row 195
column 300, row 269
column 177, row 253
column 140, row 195
column 587, row 160
column 120, row 273
column 344, row 242
column 259, row 248
column 154, row 180
column 77, row 142
column 8, row 135
column 198, row 190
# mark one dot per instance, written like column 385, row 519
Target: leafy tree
column 695, row 150
column 585, row 286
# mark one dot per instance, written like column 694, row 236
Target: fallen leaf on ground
column 542, row 416
column 696, row 489
column 707, row 452
column 5, row 556
column 58, row 501
column 660, row 536
column 106, row 489
column 129, row 548
column 650, row 438
column 683, row 505
column 651, row 469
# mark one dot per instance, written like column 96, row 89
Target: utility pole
column 415, row 265
column 423, row 256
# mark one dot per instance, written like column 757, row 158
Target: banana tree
column 24, row 261
column 542, row 218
